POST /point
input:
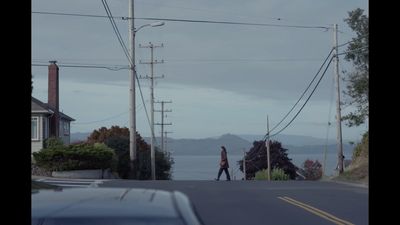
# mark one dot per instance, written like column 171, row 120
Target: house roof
column 38, row 106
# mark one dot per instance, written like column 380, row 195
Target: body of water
column 205, row 167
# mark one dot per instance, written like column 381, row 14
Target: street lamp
column 155, row 24
column 132, row 98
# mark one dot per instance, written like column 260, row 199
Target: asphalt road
column 263, row 202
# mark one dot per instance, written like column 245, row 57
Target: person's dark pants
column 226, row 173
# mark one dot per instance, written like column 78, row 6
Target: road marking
column 316, row 211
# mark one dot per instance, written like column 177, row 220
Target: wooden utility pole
column 338, row 114
column 244, row 163
column 268, row 155
column 162, row 121
column 152, row 62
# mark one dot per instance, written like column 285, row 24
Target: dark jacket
column 224, row 160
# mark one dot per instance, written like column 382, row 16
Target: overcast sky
column 221, row 78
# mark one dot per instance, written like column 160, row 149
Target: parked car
column 116, row 206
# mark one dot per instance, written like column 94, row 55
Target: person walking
column 224, row 164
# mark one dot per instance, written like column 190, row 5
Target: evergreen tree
column 256, row 159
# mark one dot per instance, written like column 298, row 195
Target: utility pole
column 166, row 139
column 152, row 62
column 132, row 98
column 268, row 159
column 162, row 121
column 338, row 114
column 244, row 163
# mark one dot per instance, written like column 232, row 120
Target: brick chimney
column 53, row 99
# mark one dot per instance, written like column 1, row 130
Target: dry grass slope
column 358, row 169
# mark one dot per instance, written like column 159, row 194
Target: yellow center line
column 316, row 211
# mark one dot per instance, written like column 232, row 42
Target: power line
column 212, row 11
column 116, row 31
column 188, row 20
column 233, row 23
column 114, row 68
column 309, row 85
column 102, row 120
column 145, row 109
column 120, row 40
column 75, row 14
column 354, row 39
column 357, row 49
column 108, row 118
column 240, row 60
column 267, row 135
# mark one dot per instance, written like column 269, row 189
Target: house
column 46, row 119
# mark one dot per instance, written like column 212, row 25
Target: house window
column 35, row 128
column 66, row 128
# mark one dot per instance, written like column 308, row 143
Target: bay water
column 205, row 167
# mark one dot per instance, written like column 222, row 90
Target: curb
column 349, row 183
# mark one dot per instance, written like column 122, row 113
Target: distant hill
column 317, row 149
column 235, row 144
column 207, row 146
column 79, row 136
column 294, row 140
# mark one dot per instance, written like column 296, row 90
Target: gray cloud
column 240, row 53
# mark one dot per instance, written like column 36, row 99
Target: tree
column 358, row 80
column 312, row 169
column 117, row 138
column 103, row 133
column 256, row 159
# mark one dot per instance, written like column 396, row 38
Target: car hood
column 103, row 202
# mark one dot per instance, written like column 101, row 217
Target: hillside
column 79, row 136
column 235, row 146
column 292, row 140
column 358, row 169
column 206, row 146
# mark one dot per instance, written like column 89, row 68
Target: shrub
column 75, row 157
column 279, row 174
column 312, row 169
column 53, row 142
column 276, row 174
column 261, row 175
column 120, row 145
column 361, row 150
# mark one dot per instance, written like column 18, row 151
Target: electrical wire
column 268, row 136
column 357, row 49
column 188, row 20
column 354, row 39
column 116, row 31
column 309, row 85
column 102, row 120
column 232, row 23
column 145, row 109
column 75, row 14
column 126, row 52
column 113, row 68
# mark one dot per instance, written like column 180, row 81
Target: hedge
column 75, row 157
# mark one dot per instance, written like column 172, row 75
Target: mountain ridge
column 236, row 144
